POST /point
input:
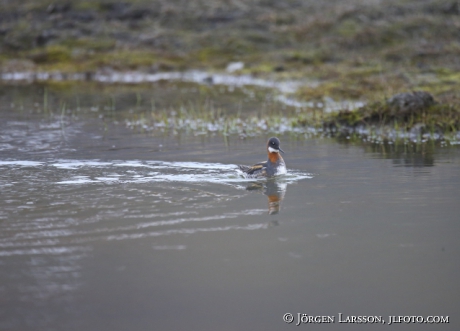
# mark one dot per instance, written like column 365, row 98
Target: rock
column 452, row 8
column 123, row 11
column 84, row 16
column 234, row 66
column 405, row 103
column 209, row 80
column 55, row 8
column 43, row 38
column 3, row 31
column 18, row 66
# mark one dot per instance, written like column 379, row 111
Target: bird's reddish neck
column 273, row 157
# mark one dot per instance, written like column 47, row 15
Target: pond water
column 106, row 228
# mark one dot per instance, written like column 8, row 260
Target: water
column 282, row 89
column 103, row 228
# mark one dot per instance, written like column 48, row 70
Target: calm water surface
column 102, row 228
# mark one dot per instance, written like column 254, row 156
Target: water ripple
column 54, row 212
column 50, row 206
column 187, row 231
column 95, row 171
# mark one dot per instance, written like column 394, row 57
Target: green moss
column 350, row 118
column 437, row 117
column 354, row 81
column 209, row 54
column 448, row 76
column 339, row 89
column 51, row 55
column 38, row 5
column 348, row 28
column 87, row 5
column 260, row 68
column 135, row 59
column 90, row 44
column 310, row 57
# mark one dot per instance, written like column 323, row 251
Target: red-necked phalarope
column 272, row 167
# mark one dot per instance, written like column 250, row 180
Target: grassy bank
column 355, row 49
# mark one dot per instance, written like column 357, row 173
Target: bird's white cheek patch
column 272, row 150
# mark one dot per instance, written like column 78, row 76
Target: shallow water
column 283, row 90
column 103, row 228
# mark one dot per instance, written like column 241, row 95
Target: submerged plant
column 207, row 119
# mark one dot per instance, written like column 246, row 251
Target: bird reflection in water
column 273, row 189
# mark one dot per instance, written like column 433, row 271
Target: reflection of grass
column 401, row 152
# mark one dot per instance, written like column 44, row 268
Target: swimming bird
column 272, row 167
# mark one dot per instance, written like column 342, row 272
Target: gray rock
column 405, row 103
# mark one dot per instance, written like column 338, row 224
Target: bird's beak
column 281, row 151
